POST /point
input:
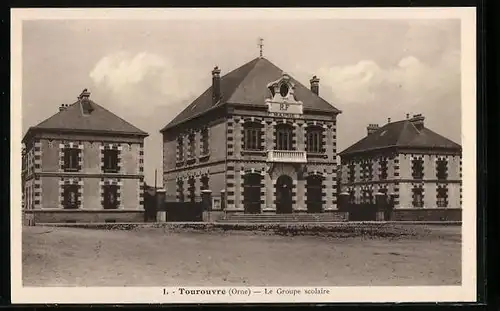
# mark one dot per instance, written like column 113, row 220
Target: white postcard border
column 121, row 295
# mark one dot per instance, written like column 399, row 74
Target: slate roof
column 402, row 134
column 247, row 85
column 87, row 116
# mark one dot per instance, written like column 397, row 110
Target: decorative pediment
column 282, row 96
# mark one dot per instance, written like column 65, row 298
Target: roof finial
column 261, row 44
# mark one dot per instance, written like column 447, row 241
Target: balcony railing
column 289, row 156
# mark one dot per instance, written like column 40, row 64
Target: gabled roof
column 247, row 85
column 85, row 115
column 402, row 134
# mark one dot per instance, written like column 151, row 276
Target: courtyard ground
column 58, row 256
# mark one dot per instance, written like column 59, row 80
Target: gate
column 380, row 210
column 184, row 211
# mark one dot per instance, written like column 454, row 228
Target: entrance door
column 251, row 193
column 284, row 194
column 314, row 194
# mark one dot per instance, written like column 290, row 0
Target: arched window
column 314, row 194
column 284, row 136
column 252, row 136
column 314, row 138
column 251, row 193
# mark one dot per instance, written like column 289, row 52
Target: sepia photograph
column 243, row 155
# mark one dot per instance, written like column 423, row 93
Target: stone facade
column 419, row 168
column 399, row 180
column 246, row 144
column 46, row 175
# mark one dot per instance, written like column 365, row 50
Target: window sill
column 71, row 170
column 191, row 160
column 109, row 171
column 204, row 156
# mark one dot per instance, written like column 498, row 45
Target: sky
column 148, row 71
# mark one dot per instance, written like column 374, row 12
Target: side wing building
column 83, row 164
column 420, row 168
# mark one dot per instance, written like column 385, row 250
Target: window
column 180, row 149
column 418, row 168
column 366, row 171
column 70, row 196
column 314, row 137
column 204, row 142
column 284, row 133
column 71, row 162
column 252, row 136
column 441, row 169
column 418, row 197
column 204, row 183
column 192, row 146
column 110, row 197
column 191, row 190
column 383, row 169
column 352, row 196
column 180, row 191
column 352, row 172
column 367, row 196
column 442, row 197
column 110, row 161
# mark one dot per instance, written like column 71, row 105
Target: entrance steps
column 282, row 218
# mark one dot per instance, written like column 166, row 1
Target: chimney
column 418, row 121
column 314, row 85
column 407, row 116
column 62, row 107
column 216, row 95
column 388, row 120
column 371, row 128
column 85, row 94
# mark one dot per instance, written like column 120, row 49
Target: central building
column 257, row 139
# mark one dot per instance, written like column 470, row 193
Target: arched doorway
column 251, row 193
column 284, row 186
column 314, row 194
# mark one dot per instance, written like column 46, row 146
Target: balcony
column 288, row 156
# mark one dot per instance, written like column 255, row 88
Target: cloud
column 407, row 83
column 144, row 78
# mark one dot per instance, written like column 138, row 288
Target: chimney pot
column 216, row 93
column 314, row 85
column 407, row 115
column 372, row 128
column 388, row 120
column 62, row 107
column 85, row 94
column 418, row 121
